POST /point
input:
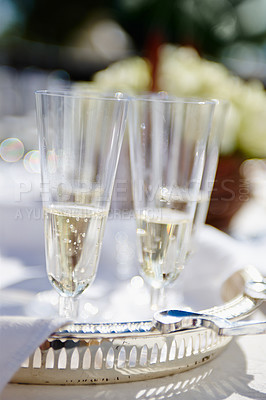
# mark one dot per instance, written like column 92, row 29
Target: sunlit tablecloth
column 238, row 373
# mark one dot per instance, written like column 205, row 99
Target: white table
column 238, row 373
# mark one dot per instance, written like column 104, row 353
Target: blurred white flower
column 252, row 133
column 229, row 141
column 132, row 75
column 179, row 71
column 183, row 72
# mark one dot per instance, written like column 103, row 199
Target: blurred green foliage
column 208, row 25
column 212, row 27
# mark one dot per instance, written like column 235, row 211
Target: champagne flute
column 168, row 138
column 80, row 141
column 211, row 161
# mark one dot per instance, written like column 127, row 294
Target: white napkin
column 215, row 258
column 19, row 337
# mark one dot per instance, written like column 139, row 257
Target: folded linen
column 19, row 337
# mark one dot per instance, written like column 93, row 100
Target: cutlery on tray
column 167, row 321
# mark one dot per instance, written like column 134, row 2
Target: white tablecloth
column 238, row 373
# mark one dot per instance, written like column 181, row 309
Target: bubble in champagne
column 11, row 150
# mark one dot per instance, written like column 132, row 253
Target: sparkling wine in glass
column 80, row 141
column 168, row 137
column 161, row 234
column 74, row 238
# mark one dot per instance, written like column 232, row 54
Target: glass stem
column 68, row 307
column 157, row 298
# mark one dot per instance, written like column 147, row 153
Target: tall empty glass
column 167, row 146
column 211, row 161
column 80, row 141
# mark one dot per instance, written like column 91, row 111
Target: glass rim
column 219, row 100
column 79, row 94
column 155, row 97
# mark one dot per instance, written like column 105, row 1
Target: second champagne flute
column 168, row 138
column 211, row 161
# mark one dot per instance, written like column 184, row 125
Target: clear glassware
column 80, row 140
column 168, row 137
column 211, row 162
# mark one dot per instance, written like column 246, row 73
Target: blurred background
column 75, row 39
column 55, row 44
column 45, row 43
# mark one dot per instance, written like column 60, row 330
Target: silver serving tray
column 82, row 354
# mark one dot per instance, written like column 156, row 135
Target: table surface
column 239, row 372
